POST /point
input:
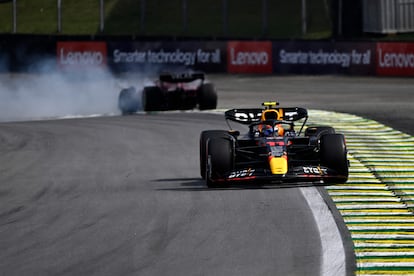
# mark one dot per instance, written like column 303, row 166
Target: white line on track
column 332, row 248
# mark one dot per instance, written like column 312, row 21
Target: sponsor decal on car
column 314, row 170
column 79, row 55
column 246, row 116
column 249, row 57
column 241, row 173
column 395, row 59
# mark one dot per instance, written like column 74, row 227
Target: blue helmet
column 267, row 131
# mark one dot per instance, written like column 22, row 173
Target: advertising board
column 395, row 59
column 316, row 57
column 81, row 55
column 4, row 59
column 249, row 57
column 158, row 56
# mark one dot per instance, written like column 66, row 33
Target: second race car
column 273, row 150
column 170, row 92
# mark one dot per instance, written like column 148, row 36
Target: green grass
column 205, row 20
column 165, row 18
column 40, row 17
column 80, row 17
column 122, row 19
column 6, row 18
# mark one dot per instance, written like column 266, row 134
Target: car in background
column 273, row 150
column 182, row 91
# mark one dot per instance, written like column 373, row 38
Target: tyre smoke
column 46, row 93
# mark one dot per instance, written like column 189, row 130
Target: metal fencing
column 388, row 16
column 302, row 13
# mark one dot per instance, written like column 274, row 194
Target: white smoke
column 51, row 94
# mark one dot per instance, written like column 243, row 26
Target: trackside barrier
column 244, row 57
column 258, row 57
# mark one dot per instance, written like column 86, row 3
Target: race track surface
column 120, row 195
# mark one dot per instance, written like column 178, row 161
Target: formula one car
column 170, row 92
column 273, row 150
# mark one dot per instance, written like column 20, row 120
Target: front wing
column 312, row 173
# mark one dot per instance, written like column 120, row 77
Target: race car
column 274, row 150
column 181, row 91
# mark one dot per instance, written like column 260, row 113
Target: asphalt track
column 122, row 195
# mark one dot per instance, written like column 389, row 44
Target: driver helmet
column 268, row 131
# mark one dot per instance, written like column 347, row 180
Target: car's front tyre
column 316, row 132
column 333, row 154
column 204, row 137
column 220, row 160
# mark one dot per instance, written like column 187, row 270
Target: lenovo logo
column 81, row 58
column 79, row 55
column 395, row 59
column 249, row 57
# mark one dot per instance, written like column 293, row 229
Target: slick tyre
column 128, row 101
column 204, row 137
column 333, row 155
column 316, row 132
column 220, row 152
column 152, row 98
column 207, row 97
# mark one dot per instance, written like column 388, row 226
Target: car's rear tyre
column 128, row 100
column 316, row 132
column 152, row 98
column 207, row 97
column 333, row 154
column 204, row 137
column 220, row 151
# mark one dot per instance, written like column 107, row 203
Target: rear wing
column 252, row 115
column 244, row 115
column 181, row 77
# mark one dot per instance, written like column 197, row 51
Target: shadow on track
column 198, row 184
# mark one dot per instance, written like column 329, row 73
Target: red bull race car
column 274, row 150
column 181, row 91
